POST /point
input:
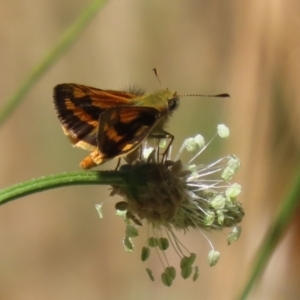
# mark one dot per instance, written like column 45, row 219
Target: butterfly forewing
column 79, row 107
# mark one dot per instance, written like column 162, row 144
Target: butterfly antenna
column 197, row 95
column 156, row 74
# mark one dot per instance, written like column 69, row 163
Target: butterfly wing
column 79, row 107
column 123, row 129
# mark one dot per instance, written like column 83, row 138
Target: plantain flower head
column 171, row 196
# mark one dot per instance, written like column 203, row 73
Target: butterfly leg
column 163, row 135
column 167, row 152
column 118, row 164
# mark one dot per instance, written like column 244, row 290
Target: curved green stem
column 273, row 236
column 59, row 180
column 66, row 40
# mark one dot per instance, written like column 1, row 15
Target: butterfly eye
column 173, row 103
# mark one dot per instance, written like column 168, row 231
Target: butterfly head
column 163, row 100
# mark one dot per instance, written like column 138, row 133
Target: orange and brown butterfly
column 110, row 123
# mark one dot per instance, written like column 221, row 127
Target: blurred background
column 53, row 244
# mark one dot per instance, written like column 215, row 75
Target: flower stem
column 66, row 40
column 273, row 235
column 59, row 180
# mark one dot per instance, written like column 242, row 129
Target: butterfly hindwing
column 123, row 129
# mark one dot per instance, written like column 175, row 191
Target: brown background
column 53, row 245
